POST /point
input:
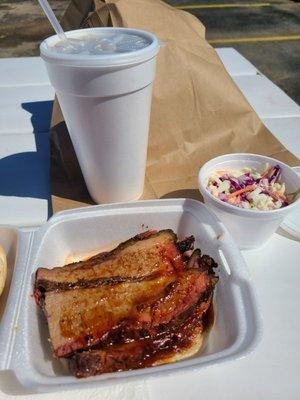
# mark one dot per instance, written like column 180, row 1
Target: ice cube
column 130, row 43
column 104, row 45
column 70, row 46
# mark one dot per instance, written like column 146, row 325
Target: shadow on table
column 27, row 174
column 67, row 181
column 41, row 112
column 184, row 193
column 282, row 232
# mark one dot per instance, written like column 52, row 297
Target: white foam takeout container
column 24, row 344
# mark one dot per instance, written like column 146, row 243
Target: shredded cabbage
column 250, row 189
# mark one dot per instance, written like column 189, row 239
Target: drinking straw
column 52, row 18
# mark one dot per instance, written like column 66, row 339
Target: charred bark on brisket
column 157, row 297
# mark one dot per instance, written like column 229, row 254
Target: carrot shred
column 266, row 172
column 280, row 196
column 248, row 188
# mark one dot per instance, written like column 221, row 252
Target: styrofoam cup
column 106, row 99
column 250, row 228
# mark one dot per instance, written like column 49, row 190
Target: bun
column 3, row 269
column 198, row 342
column 195, row 346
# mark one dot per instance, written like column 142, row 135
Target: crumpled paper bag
column 197, row 110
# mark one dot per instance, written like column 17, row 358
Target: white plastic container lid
column 101, row 47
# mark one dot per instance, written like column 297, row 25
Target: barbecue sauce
column 147, row 351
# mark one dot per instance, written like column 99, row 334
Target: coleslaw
column 250, row 189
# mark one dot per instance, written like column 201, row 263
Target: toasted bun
column 3, row 269
column 195, row 346
column 197, row 343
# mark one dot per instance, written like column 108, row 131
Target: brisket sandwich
column 145, row 303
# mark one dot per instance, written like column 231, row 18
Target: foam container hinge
column 24, row 344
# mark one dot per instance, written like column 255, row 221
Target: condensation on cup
column 103, row 79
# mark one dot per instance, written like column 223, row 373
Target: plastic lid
column 100, row 46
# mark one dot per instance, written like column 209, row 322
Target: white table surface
column 266, row 98
column 287, row 130
column 272, row 370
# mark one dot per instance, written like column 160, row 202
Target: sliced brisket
column 173, row 338
column 142, row 257
column 80, row 318
column 128, row 308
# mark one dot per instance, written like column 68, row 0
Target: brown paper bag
column 197, row 110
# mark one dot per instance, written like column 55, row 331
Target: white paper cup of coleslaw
column 250, row 228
